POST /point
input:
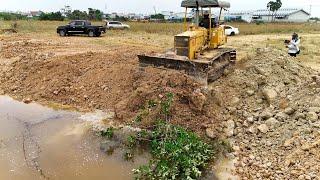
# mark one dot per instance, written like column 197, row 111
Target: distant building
column 32, row 14
column 282, row 15
column 245, row 16
column 172, row 16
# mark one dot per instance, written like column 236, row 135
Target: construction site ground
column 267, row 106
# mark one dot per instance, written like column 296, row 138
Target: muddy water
column 41, row 143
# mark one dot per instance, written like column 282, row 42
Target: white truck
column 116, row 25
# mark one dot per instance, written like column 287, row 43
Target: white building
column 282, row 15
column 245, row 16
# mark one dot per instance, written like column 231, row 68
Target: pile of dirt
column 270, row 111
column 269, row 105
column 109, row 81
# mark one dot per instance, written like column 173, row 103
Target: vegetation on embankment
column 176, row 153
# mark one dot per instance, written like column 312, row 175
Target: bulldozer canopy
column 205, row 3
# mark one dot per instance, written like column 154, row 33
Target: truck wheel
column 91, row 33
column 233, row 34
column 62, row 33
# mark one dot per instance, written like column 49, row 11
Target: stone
column 266, row 114
column 300, row 116
column 226, row 72
column 260, row 70
column 270, row 95
column 288, row 142
column 27, row 101
column 55, row 92
column 263, row 128
column 272, row 122
column 314, row 109
column 210, row 132
column 316, row 102
column 229, row 128
column 312, row 116
column 252, row 129
column 250, row 92
column 236, row 148
column 260, row 101
column 289, row 111
column 217, row 97
column 198, row 100
column 281, row 116
column 250, row 119
column 234, row 101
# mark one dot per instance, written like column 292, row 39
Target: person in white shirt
column 293, row 45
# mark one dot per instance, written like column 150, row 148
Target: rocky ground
column 268, row 105
column 271, row 109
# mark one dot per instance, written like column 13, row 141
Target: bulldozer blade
column 195, row 69
column 203, row 69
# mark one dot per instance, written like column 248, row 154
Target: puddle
column 41, row 143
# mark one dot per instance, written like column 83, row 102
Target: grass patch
column 29, row 26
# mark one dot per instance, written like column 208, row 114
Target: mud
column 41, row 143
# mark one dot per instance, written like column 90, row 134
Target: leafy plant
column 166, row 105
column 176, row 153
column 107, row 133
column 152, row 103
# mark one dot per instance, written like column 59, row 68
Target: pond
column 37, row 142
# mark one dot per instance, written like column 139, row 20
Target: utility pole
column 155, row 10
column 310, row 10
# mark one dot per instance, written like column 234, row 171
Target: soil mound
column 269, row 105
column 108, row 80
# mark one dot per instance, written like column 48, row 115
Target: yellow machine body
column 197, row 50
column 197, row 39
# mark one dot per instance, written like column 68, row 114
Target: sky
column 144, row 6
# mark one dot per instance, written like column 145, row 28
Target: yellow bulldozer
column 197, row 51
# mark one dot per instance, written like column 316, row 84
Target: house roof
column 204, row 3
column 280, row 12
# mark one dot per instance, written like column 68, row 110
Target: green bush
column 176, row 153
column 11, row 16
column 53, row 16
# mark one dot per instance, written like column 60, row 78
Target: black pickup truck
column 81, row 27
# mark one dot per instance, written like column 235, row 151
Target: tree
column 157, row 16
column 53, row 16
column 66, row 11
column 94, row 14
column 274, row 6
column 78, row 15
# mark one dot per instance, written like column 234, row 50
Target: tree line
column 11, row 16
column 91, row 14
